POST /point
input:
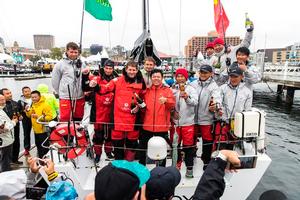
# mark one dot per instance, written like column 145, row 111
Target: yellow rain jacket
column 40, row 108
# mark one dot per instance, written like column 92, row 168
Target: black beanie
column 114, row 183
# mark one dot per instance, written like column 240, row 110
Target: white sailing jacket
column 235, row 99
column 205, row 90
column 185, row 108
column 66, row 73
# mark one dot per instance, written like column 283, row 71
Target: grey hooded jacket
column 205, row 90
column 66, row 73
column 6, row 134
column 185, row 108
column 235, row 99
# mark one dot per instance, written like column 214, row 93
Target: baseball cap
column 162, row 182
column 235, row 70
column 206, row 68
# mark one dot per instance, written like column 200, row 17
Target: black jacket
column 211, row 185
column 11, row 108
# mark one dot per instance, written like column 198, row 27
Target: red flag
column 221, row 20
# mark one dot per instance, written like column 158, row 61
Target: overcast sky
column 277, row 21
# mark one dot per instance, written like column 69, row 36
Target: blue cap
column 61, row 190
column 139, row 170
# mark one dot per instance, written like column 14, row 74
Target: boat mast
column 145, row 10
column 81, row 30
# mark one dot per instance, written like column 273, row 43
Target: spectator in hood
column 50, row 99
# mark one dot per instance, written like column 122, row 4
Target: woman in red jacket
column 125, row 132
column 160, row 101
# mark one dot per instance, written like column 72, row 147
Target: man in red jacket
column 160, row 101
column 126, row 89
column 102, row 105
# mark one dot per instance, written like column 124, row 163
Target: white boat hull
column 238, row 187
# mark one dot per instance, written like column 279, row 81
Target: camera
column 41, row 162
column 247, row 162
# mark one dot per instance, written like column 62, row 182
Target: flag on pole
column 221, row 20
column 100, row 9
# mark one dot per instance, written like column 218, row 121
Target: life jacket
column 58, row 139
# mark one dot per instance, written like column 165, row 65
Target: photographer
column 13, row 183
column 67, row 73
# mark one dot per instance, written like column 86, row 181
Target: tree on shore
column 56, row 53
column 34, row 59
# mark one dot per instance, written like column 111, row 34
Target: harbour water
column 282, row 129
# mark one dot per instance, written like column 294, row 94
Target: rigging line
column 81, row 27
column 164, row 26
column 235, row 141
column 125, row 23
column 179, row 42
column 109, row 38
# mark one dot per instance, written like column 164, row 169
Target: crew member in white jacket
column 223, row 57
column 208, row 100
column 251, row 74
column 6, row 137
column 67, row 75
column 183, row 117
column 236, row 97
